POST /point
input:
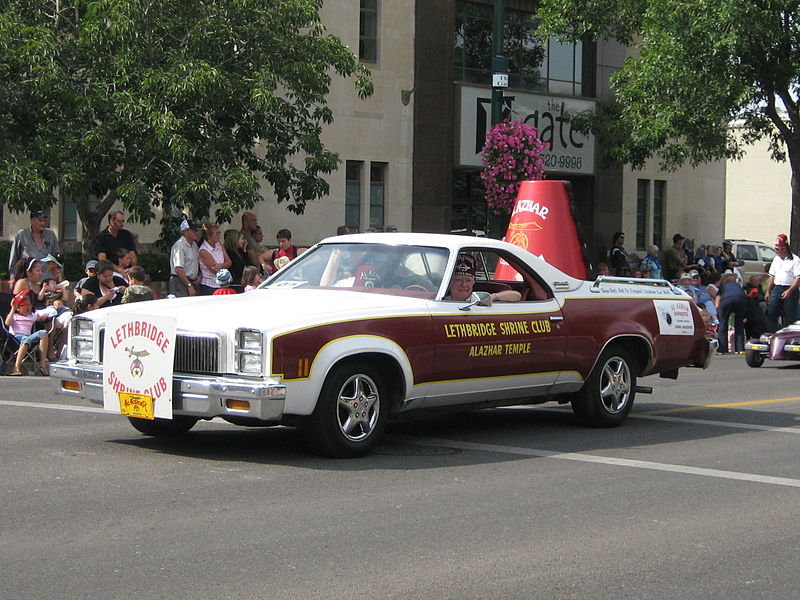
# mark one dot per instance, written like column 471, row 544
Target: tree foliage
column 181, row 104
column 702, row 65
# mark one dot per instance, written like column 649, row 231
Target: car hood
column 269, row 309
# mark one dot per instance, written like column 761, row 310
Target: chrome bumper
column 713, row 345
column 193, row 395
column 759, row 346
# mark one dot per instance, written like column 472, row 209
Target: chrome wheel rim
column 615, row 385
column 358, row 408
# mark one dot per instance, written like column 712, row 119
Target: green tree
column 702, row 65
column 181, row 104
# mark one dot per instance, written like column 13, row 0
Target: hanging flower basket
column 512, row 154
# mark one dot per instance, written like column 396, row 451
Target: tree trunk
column 92, row 220
column 794, row 218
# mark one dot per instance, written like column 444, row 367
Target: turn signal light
column 72, row 386
column 237, row 404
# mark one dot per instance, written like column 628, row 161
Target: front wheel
column 350, row 414
column 607, row 394
column 177, row 425
column 753, row 358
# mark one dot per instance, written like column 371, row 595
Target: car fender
column 302, row 393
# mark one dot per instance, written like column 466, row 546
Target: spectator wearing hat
column 184, row 262
column 725, row 259
column 36, row 241
column 224, row 282
column 675, row 259
column 112, row 239
column 784, row 279
column 463, row 281
column 20, row 321
column 89, row 269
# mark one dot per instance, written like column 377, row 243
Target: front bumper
column 199, row 396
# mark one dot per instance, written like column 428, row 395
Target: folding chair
column 9, row 344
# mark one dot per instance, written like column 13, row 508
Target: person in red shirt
column 224, row 281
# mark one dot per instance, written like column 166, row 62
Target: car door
column 506, row 350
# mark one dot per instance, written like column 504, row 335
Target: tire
column 753, row 358
column 608, row 393
column 350, row 414
column 179, row 424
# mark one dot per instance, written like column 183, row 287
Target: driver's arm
column 506, row 296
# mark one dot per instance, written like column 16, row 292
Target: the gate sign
column 568, row 151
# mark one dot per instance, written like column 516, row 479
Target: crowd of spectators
column 202, row 261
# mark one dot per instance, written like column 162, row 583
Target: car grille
column 193, row 354
column 196, row 354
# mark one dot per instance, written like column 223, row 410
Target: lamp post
column 496, row 224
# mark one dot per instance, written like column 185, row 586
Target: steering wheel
column 416, row 287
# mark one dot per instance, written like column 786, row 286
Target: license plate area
column 139, row 406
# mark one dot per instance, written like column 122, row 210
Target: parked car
column 755, row 256
column 359, row 329
column 784, row 344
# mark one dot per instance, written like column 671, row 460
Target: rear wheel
column 608, row 393
column 163, row 427
column 753, row 358
column 351, row 412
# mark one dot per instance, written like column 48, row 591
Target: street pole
column 497, row 223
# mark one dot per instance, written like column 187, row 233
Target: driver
column 464, row 279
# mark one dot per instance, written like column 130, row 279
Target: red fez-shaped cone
column 542, row 223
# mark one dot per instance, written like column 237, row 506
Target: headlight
column 82, row 339
column 765, row 337
column 249, row 340
column 249, row 351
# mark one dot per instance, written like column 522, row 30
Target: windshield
column 378, row 268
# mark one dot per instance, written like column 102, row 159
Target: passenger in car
column 464, row 280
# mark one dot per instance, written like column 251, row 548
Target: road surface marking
column 727, row 405
column 655, row 417
column 537, row 453
column 604, row 460
column 53, row 406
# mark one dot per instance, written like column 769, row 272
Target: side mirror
column 478, row 299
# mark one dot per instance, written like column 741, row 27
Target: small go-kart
column 784, row 344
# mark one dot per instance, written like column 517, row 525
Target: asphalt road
column 697, row 495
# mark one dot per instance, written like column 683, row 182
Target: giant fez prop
column 542, row 223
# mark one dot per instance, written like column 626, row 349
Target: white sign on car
column 137, row 365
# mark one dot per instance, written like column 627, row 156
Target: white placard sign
column 674, row 317
column 137, row 364
column 567, row 150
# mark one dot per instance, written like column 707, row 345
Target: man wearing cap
column 184, row 262
column 784, row 279
column 90, row 270
column 725, row 260
column 675, row 258
column 464, row 280
column 36, row 241
column 114, row 237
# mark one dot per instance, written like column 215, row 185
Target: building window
column 468, row 211
column 368, row 31
column 377, row 195
column 352, row 196
column 659, row 206
column 642, row 200
column 69, row 221
column 536, row 64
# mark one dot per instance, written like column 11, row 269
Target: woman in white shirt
column 213, row 257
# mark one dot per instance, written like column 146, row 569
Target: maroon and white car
column 359, row 329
